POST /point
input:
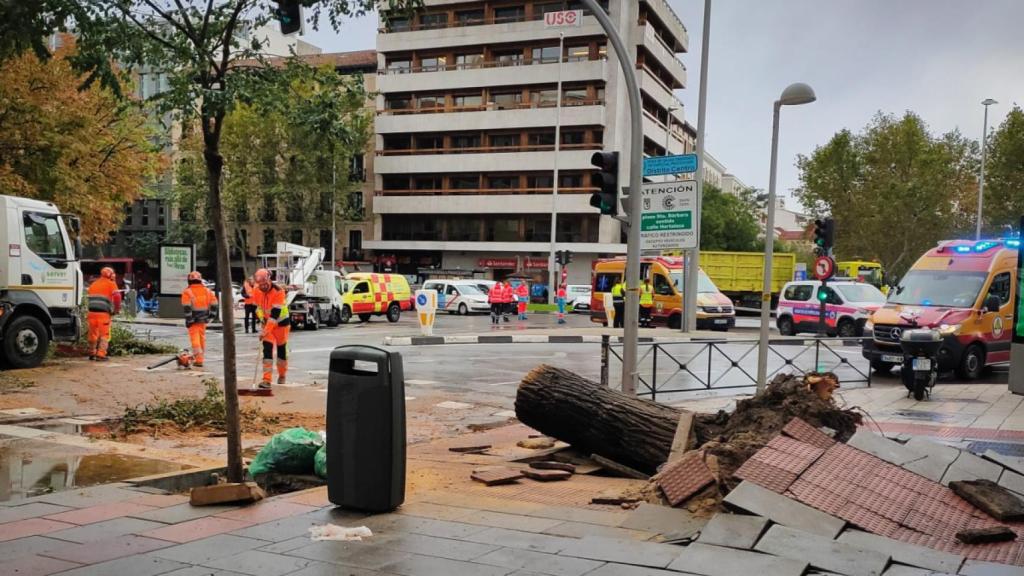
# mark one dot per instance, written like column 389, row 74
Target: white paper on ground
column 332, row 532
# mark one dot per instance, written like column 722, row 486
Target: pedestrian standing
column 249, row 302
column 619, row 303
column 494, row 298
column 508, row 298
column 199, row 305
column 272, row 311
column 560, row 300
column 522, row 298
column 104, row 300
column 646, row 302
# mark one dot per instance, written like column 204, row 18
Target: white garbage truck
column 313, row 294
column 41, row 284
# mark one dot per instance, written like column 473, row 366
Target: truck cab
column 41, row 284
column 963, row 288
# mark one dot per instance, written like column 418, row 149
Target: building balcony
column 481, row 32
column 662, row 53
column 570, row 201
column 493, row 74
column 674, row 26
column 516, row 247
column 488, row 117
column 491, row 149
column 650, row 85
column 507, row 162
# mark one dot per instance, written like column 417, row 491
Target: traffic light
column 563, row 257
column 822, row 294
column 607, row 180
column 824, row 235
column 289, row 14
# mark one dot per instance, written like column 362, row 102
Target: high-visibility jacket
column 103, row 296
column 199, row 303
column 646, row 295
column 495, row 294
column 618, row 291
column 521, row 292
column 507, row 293
column 271, row 306
column 247, row 293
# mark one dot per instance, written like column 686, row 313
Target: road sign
column 666, row 215
column 563, row 19
column 824, row 268
column 679, row 164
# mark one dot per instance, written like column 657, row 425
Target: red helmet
column 195, row 275
column 107, row 272
column 261, row 275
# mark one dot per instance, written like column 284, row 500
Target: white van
column 577, row 297
column 459, row 296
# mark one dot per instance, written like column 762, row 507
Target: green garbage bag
column 320, row 462
column 288, row 452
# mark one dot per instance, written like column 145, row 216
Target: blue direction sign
column 679, row 164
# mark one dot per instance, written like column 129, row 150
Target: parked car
column 458, row 296
column 848, row 304
column 577, row 296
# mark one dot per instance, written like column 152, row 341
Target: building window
column 540, row 9
column 570, row 229
column 466, row 141
column 543, row 97
column 502, row 182
column 398, row 103
column 296, row 237
column 326, row 242
column 401, row 66
column 538, row 229
column 505, row 140
column 573, row 138
column 268, row 240
column 469, row 17
column 432, row 21
column 355, row 202
column 161, row 213
column 463, row 229
column 570, row 180
column 145, row 214
column 545, row 55
column 396, row 141
column 356, row 171
column 502, row 230
column 467, row 100
column 577, row 53
column 463, row 61
column 508, row 57
column 427, row 183
column 507, row 100
column 398, row 24
column 410, row 228
column 574, row 96
column 430, row 102
column 355, row 240
column 542, row 139
column 509, row 14
column 540, row 182
column 464, row 182
column 429, row 142
column 395, row 182
column 434, row 63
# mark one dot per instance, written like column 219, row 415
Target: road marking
column 503, row 383
column 453, row 405
column 422, row 382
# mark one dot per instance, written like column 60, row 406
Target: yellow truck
column 863, row 270
column 739, row 275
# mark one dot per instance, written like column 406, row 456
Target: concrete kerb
column 568, row 339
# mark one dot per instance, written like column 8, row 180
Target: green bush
column 206, row 411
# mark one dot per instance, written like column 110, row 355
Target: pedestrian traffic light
column 568, row 257
column 822, row 294
column 289, row 14
column 824, row 235
column 607, row 181
column 563, row 257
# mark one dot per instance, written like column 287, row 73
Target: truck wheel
column 346, row 314
column 847, row 329
column 882, row 367
column 972, row 363
column 785, row 325
column 364, row 317
column 674, row 322
column 312, row 322
column 394, row 312
column 25, row 342
column 335, row 318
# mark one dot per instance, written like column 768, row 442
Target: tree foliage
column 893, row 189
column 84, row 150
column 728, row 222
column 1004, row 174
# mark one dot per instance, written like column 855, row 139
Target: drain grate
column 1004, row 448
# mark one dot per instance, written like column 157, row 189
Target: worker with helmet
column 200, row 305
column 272, row 311
column 104, row 300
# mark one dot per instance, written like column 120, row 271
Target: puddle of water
column 1004, row 448
column 73, row 428
column 924, row 415
column 32, row 468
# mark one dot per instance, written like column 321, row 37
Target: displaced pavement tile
column 622, row 551
column 577, row 530
column 930, row 467
column 260, row 563
column 33, row 510
column 967, row 466
column 107, row 529
column 733, row 530
column 99, row 513
column 804, row 432
column 766, row 475
column 546, row 475
column 1012, row 481
column 1012, row 462
column 903, row 553
column 880, row 446
column 429, row 566
column 36, row 566
column 822, row 552
column 716, row 561
column 684, row 477
column 30, row 527
column 783, row 510
column 496, row 476
column 538, row 562
column 144, row 565
column 934, row 450
column 196, row 529
column 207, row 549
column 978, row 568
column 662, row 520
column 522, row 540
column 109, row 549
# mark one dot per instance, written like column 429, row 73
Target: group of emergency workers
column 619, row 303
column 266, row 300
column 504, row 299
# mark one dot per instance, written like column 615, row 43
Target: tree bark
column 214, row 171
column 597, row 420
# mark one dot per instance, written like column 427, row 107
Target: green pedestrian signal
column 606, row 180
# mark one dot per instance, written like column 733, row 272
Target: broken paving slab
column 901, row 570
column 1012, row 462
column 990, row 498
column 880, row 446
column 733, row 531
column 917, row 556
column 1012, row 481
column 708, row 560
column 934, row 450
column 979, row 568
column 685, row 477
column 823, row 552
column 672, row 523
column 782, row 510
column 929, row 467
column 967, row 466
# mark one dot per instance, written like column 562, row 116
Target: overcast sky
column 939, row 58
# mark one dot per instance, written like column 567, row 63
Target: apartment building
column 465, row 130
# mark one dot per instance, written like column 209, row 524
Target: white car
column 577, row 296
column 848, row 306
column 458, row 296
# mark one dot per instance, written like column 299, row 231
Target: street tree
column 1004, row 174
column 893, row 189
column 211, row 66
column 728, row 222
column 87, row 151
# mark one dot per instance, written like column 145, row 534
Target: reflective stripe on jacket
column 102, row 296
column 271, row 306
column 646, row 296
column 198, row 302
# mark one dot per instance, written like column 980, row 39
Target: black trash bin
column 366, row 429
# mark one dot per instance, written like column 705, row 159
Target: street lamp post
column 793, row 95
column 981, row 178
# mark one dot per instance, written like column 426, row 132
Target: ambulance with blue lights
column 963, row 288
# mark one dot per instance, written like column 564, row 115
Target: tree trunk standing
column 214, row 170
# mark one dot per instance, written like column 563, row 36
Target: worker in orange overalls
column 104, row 300
column 522, row 299
column 200, row 305
column 272, row 311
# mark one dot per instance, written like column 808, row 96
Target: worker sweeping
column 272, row 311
column 104, row 300
column 200, row 305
